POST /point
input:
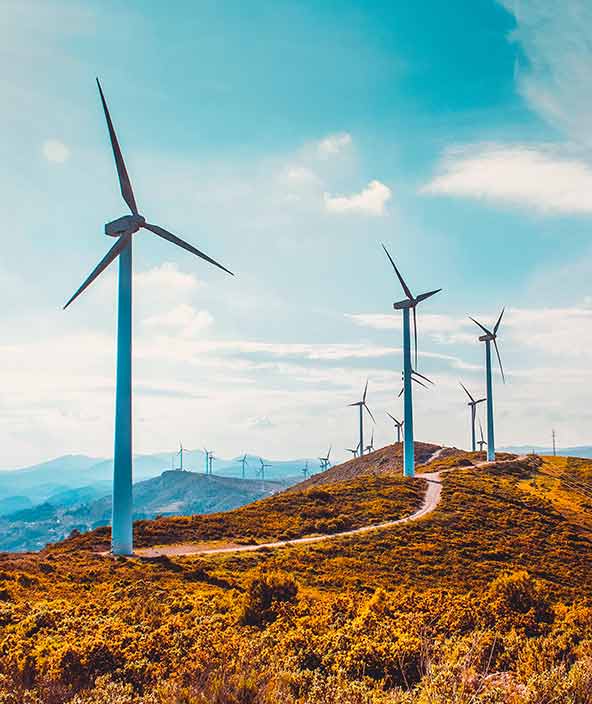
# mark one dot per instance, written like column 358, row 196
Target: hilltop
column 487, row 599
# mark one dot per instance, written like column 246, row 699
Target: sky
column 288, row 140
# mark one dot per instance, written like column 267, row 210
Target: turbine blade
column 365, row 392
column 499, row 320
column 391, row 417
column 485, row 330
column 417, row 381
column 423, row 377
column 467, row 393
column 401, row 392
column 429, row 294
column 415, row 332
column 480, row 400
column 124, row 182
column 161, row 232
column 499, row 359
column 369, row 413
column 117, row 248
column 401, row 281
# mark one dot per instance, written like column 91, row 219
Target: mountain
column 171, row 493
column 486, row 597
column 578, row 451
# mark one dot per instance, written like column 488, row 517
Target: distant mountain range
column 173, row 493
column 45, row 502
column 580, row 451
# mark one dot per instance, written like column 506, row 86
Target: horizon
column 288, row 145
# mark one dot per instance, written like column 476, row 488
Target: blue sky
column 288, row 139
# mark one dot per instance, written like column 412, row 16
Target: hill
column 171, row 493
column 487, row 599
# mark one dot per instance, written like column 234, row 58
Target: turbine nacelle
column 126, row 225
column 407, row 303
column 490, row 337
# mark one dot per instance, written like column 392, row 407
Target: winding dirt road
column 430, row 501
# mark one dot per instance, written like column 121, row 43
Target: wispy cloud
column 183, row 320
column 538, row 178
column 372, row 200
column 56, row 151
column 333, row 144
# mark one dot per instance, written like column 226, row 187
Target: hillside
column 171, row 493
column 487, row 599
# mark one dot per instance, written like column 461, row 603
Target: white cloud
column 167, row 277
column 182, row 320
column 538, row 178
column 371, row 201
column 299, row 176
column 333, row 144
column 260, row 423
column 555, row 79
column 56, row 151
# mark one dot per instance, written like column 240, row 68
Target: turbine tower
column 398, row 425
column 212, row 458
column 554, row 444
column 482, row 441
column 410, row 303
column 244, row 463
column 472, row 404
column 489, row 337
column 361, row 405
column 180, row 454
column 207, row 460
column 123, row 229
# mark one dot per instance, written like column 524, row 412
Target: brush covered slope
column 488, row 599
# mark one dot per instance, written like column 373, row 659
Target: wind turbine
column 370, row 447
column 354, row 452
column 180, row 454
column 305, row 470
column 398, row 425
column 361, row 405
column 244, row 463
column 325, row 460
column 489, row 337
column 212, row 458
column 410, row 303
column 124, row 228
column 482, row 441
column 207, row 460
column 472, row 404
column 261, row 471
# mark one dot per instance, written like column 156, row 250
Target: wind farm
column 324, row 439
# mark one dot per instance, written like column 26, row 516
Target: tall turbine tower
column 124, row 228
column 305, row 470
column 398, row 425
column 488, row 338
column 261, row 471
column 207, row 460
column 472, row 404
column 361, row 405
column 410, row 303
column 180, row 454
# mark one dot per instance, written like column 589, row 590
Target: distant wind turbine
column 354, row 452
column 361, row 405
column 410, row 303
column 124, row 228
column 325, row 461
column 212, row 458
column 398, row 425
column 370, row 447
column 207, row 460
column 305, row 470
column 489, row 337
column 261, row 471
column 472, row 404
column 244, row 463
column 482, row 441
column 180, row 454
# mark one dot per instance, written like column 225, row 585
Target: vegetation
column 487, row 600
